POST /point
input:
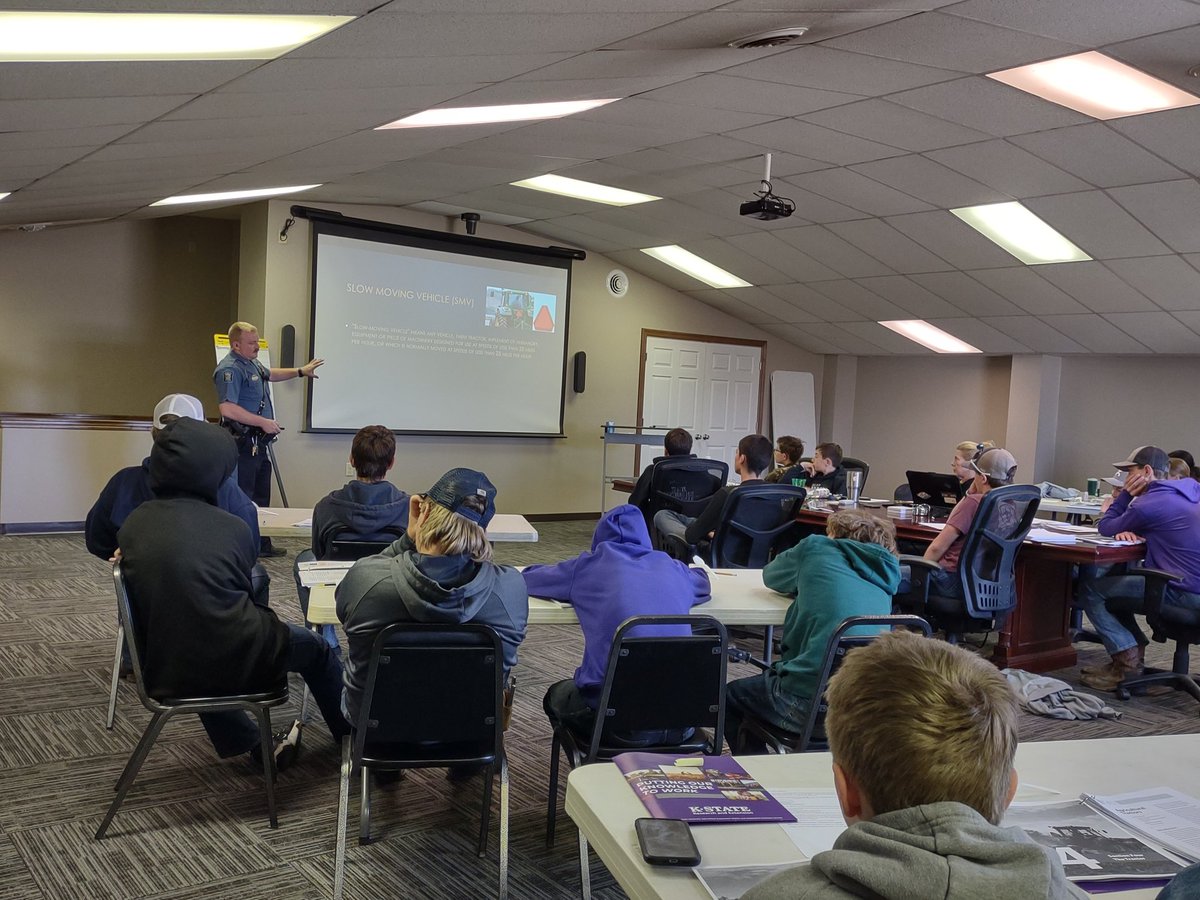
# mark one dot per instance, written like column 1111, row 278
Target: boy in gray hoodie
column 923, row 736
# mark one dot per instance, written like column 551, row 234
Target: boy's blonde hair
column 968, row 450
column 1177, row 469
column 857, row 525
column 914, row 720
column 450, row 533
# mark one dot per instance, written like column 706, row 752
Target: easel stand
column 278, row 477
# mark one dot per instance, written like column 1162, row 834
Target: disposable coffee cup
column 1093, row 487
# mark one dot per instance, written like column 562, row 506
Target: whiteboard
column 794, row 407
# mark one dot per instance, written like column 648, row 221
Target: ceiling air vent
column 618, row 283
column 777, row 37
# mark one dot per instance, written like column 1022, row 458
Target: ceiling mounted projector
column 766, row 205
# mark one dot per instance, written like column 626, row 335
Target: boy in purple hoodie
column 621, row 576
column 1167, row 515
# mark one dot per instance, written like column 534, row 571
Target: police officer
column 246, row 410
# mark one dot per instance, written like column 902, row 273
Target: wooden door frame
column 702, row 339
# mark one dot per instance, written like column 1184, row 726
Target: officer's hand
column 310, row 370
column 270, row 426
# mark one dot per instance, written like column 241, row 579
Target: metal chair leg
column 339, row 860
column 116, row 678
column 140, row 752
column 364, row 807
column 585, row 872
column 503, row 827
column 768, row 643
column 489, row 778
column 552, row 797
column 266, row 750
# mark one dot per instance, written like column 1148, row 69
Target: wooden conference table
column 738, row 598
column 604, row 807
column 296, row 521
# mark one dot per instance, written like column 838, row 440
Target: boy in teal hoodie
column 851, row 570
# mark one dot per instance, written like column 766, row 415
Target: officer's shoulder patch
column 228, row 376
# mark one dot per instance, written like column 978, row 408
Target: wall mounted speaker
column 618, row 283
column 287, row 347
column 580, row 372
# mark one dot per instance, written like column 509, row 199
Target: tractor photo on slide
column 514, row 310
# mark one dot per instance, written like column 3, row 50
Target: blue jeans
column 669, row 522
column 762, row 697
column 565, row 705
column 1119, row 630
column 946, row 584
column 236, row 732
column 328, row 631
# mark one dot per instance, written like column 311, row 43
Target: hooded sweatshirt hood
column 937, row 850
column 192, row 459
column 367, row 510
column 625, row 525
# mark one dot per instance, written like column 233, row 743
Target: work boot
column 1097, row 670
column 1124, row 665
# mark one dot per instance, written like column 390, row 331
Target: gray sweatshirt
column 940, row 850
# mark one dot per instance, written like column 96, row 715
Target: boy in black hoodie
column 187, row 565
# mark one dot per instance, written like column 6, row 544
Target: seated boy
column 851, row 570
column 923, row 736
column 826, row 470
column 788, row 470
column 621, row 576
column 677, row 444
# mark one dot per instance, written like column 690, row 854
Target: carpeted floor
column 194, row 826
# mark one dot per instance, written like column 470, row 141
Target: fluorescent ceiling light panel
column 1096, row 85
column 81, row 37
column 584, row 190
column 4, row 194
column 225, row 196
column 691, row 264
column 482, row 115
column 1021, row 233
column 930, row 336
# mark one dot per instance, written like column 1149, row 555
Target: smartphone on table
column 667, row 842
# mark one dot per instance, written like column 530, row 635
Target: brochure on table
column 702, row 790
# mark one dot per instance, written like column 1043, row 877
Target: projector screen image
column 430, row 336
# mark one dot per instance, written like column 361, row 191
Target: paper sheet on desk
column 1043, row 536
column 303, row 523
column 818, row 819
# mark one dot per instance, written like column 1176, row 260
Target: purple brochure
column 703, row 790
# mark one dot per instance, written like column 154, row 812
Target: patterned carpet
column 194, row 826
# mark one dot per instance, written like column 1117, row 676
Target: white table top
column 604, row 807
column 282, row 521
column 739, row 598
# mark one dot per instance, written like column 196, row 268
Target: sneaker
column 285, row 745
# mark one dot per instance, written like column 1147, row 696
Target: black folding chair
column 812, row 737
column 164, row 708
column 433, row 699
column 651, row 684
column 345, row 546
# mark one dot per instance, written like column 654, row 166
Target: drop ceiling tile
column 579, row 139
column 612, row 63
column 539, row 91
column 552, row 6
column 911, row 296
column 721, row 224
column 988, row 106
column 732, row 306
column 930, row 181
column 1096, row 224
column 1189, row 318
column 51, row 80
column 889, row 246
column 765, row 302
column 951, row 239
column 490, row 217
column 967, row 294
column 858, row 191
column 634, row 233
column 980, row 335
column 732, row 259
column 561, row 235
column 377, row 105
column 1095, row 287
column 1167, row 56
column 1159, row 331
column 1008, row 169
column 1170, row 134
column 895, row 126
column 809, row 205
column 70, row 113
column 1168, row 209
column 1167, row 280
column 814, row 142
column 1095, row 333
column 934, row 39
column 795, row 334
column 717, row 28
column 265, row 7
column 1023, row 287
column 813, row 305
column 1094, row 23
column 660, row 227
column 531, row 204
column 851, row 301
column 40, row 157
column 884, row 338
column 1034, row 333
column 827, row 69
column 477, row 34
column 694, row 120
column 95, row 136
column 1098, row 155
column 783, row 256
column 660, row 272
column 838, row 340
column 722, row 91
column 840, row 255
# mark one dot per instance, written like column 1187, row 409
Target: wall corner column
column 1033, row 398
column 838, row 385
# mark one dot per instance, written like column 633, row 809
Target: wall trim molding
column 73, row 421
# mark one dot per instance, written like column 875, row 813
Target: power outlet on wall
column 350, row 473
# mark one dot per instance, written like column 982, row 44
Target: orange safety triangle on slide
column 543, row 321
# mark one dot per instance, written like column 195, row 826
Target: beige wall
column 105, row 319
column 909, row 412
column 533, row 475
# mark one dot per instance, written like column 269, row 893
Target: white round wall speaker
column 618, row 283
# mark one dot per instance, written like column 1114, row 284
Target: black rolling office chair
column 757, row 522
column 1167, row 623
column 683, row 484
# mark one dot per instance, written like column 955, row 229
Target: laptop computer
column 940, row 490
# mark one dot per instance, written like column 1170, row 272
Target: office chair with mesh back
column 757, row 522
column 986, row 567
column 812, row 737
column 684, row 485
column 1167, row 623
column 162, row 709
column 651, row 684
column 433, row 699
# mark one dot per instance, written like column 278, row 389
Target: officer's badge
column 228, row 376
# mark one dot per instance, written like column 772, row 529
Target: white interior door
column 709, row 388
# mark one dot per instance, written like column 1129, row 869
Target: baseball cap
column 1153, row 457
column 996, row 463
column 183, row 406
column 1118, row 479
column 467, row 493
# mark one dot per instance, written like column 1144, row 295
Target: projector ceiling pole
column 767, row 169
